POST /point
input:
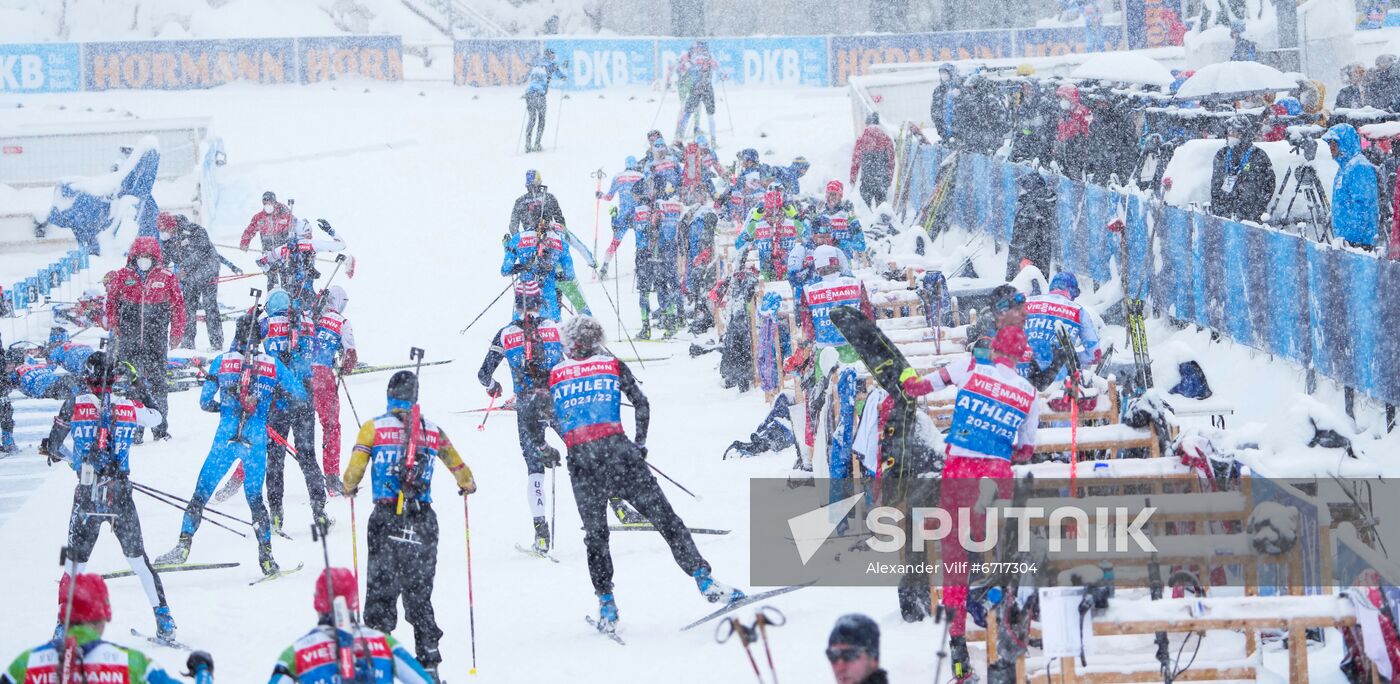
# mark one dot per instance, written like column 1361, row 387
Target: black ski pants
column 404, row 568
column 534, row 411
column 535, row 105
column 613, row 467
column 202, row 296
column 298, row 420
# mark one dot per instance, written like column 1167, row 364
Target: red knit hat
column 343, row 584
column 1010, row 341
column 90, row 602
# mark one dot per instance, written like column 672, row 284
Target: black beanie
column 855, row 629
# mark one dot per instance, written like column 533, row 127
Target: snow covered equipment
column 773, row 434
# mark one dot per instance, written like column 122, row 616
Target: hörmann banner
column 187, row 64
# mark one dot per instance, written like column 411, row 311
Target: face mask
column 144, row 263
column 269, row 208
column 1232, row 140
column 944, row 78
column 1066, row 105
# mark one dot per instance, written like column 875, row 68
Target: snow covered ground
column 419, row 179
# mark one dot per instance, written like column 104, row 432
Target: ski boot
column 607, row 613
column 324, row 521
column 277, row 523
column 177, row 555
column 266, row 563
column 645, row 332
column 713, row 590
column 334, row 487
column 962, row 664
column 541, row 545
column 7, row 443
column 625, row 513
column 165, row 625
column 745, row 449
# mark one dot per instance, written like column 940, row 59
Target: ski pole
column 509, row 285
column 489, row 408
column 597, row 204
column 146, row 489
column 672, row 481
column 70, row 567
column 630, row 343
column 734, row 626
column 471, row 599
column 354, row 543
column 727, row 111
column 761, row 623
column 558, row 116
column 521, row 137
column 553, row 507
column 172, row 504
column 341, row 379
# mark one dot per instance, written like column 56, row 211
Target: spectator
column 273, row 224
column 873, row 160
column 1113, row 135
column 1034, row 229
column 940, row 109
column 146, row 311
column 1351, row 96
column 853, row 649
column 980, row 102
column 1033, row 118
column 1245, row 49
column 1241, row 178
column 1072, row 132
column 1355, row 204
column 1381, row 85
column 196, row 265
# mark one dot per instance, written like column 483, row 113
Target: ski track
column 425, row 222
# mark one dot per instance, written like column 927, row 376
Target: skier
column 537, row 206
column 696, row 70
column 196, row 264
column 1046, row 313
column 288, row 334
column 531, row 345
column 699, row 168
column 791, row 176
column 374, row 656
column 666, row 211
column 103, row 424
column 243, row 405
column 542, row 71
column 773, row 230
column 845, row 226
column 273, row 225
column 832, row 289
column 146, row 310
column 538, row 254
column 873, row 160
column 91, row 658
column 36, row 378
column 662, row 164
column 333, row 337
column 403, row 529
column 700, row 222
column 637, row 218
column 621, row 188
column 995, row 417
column 295, row 260
column 587, row 389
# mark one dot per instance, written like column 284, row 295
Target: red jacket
column 873, row 141
column 136, row 301
column 1075, row 122
column 273, row 228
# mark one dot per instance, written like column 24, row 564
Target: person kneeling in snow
column 587, row 389
column 995, row 417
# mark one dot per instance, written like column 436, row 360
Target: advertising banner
column 787, row 61
column 592, row 64
column 378, row 58
column 187, row 64
column 854, row 55
column 1154, row 23
column 40, row 68
column 493, row 62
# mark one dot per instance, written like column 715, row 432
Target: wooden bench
column 1115, row 438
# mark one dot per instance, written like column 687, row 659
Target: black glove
column 199, row 661
column 45, row 451
column 326, row 226
column 642, row 450
column 597, row 194
column 549, row 456
column 237, row 270
column 494, row 390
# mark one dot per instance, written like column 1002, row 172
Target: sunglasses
column 1014, row 300
column 848, row 654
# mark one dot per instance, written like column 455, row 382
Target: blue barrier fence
column 31, row 291
column 1322, row 307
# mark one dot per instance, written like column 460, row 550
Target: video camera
column 1302, row 140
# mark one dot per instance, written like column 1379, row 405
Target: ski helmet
column 337, row 299
column 246, row 332
column 90, row 599
column 584, row 336
column 631, row 164
column 1066, row 282
column 1010, row 342
column 653, row 135
column 403, row 386
column 99, row 374
column 533, row 179
column 342, row 584
column 835, row 186
column 278, row 302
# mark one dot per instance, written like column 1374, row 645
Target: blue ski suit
column 540, row 258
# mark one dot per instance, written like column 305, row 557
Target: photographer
column 1242, row 178
column 1355, row 190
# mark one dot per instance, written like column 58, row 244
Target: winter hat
column 337, row 299
column 278, row 301
column 166, row 223
column 826, row 255
column 584, row 336
column 1065, row 282
column 90, row 601
column 835, row 186
column 342, row 583
column 855, row 629
column 1010, row 342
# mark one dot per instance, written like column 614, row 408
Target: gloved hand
column 494, row 391
column 199, row 661
column 603, row 271
column 44, row 450
column 1022, row 454
column 326, row 226
column 597, row 194
column 236, row 270
column 642, row 449
column 549, row 456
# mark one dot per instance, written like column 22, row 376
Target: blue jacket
column 1355, row 191
column 541, row 71
column 790, row 177
column 139, row 184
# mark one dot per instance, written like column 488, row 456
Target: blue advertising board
column 378, row 58
column 1051, row 42
column 854, row 55
column 1153, row 23
column 40, row 68
column 187, row 64
column 592, row 64
column 785, row 61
